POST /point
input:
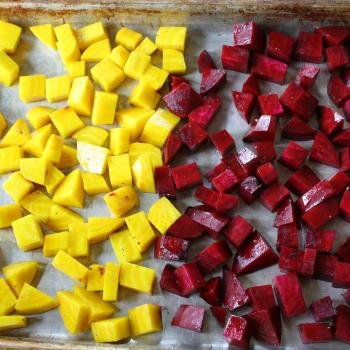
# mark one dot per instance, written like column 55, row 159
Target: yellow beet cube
column 17, row 187
column 64, row 31
column 12, row 322
column 3, row 124
column 154, row 77
column 141, row 230
column 9, row 69
column 144, row 319
column 57, row 88
column 9, row 36
column 76, row 69
column 111, row 330
column 53, row 149
column 137, row 278
column 78, row 245
column 97, row 51
column 144, row 96
column 8, row 214
column 137, row 149
column 146, row 47
column 143, row 173
column 105, row 105
column 94, row 183
column 67, row 43
column 17, row 135
column 136, row 65
column 39, row 116
column 9, row 158
column 66, row 121
column 119, row 56
column 90, row 34
column 128, row 38
column 91, row 134
column 174, row 61
column 81, row 96
column 107, row 75
column 8, row 299
column 46, row 34
column 159, row 127
column 171, row 38
column 36, row 144
column 61, row 217
column 33, row 169
column 32, row 88
column 100, row 228
column 119, row 141
column 119, row 170
column 92, row 158
column 125, row 247
column 121, row 200
column 95, row 278
column 55, row 242
column 68, row 159
column 111, row 282
column 71, row 267
column 28, row 233
column 53, row 178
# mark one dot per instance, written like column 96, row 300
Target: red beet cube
column 302, row 180
column 309, row 47
column 344, row 206
column 164, row 182
column 248, row 159
column 343, row 251
column 291, row 259
column 235, row 58
column 232, row 162
column 249, row 189
column 215, row 171
column 269, row 69
column 342, row 321
column 309, row 261
column 333, row 35
column 285, row 214
column 172, row 146
column 287, row 235
column 225, row 181
column 189, row 317
column 270, row 104
column 223, row 141
column 290, row 294
column 192, row 135
column 307, row 75
column 280, row 46
column 341, row 275
column 237, row 332
column 171, row 248
column 262, row 129
column 175, row 80
column 322, row 309
column 337, row 91
column 186, row 176
column 168, row 281
column 184, row 227
column 331, row 122
column 249, row 36
column 261, row 297
column 205, row 61
column 339, row 183
column 315, row 333
column 189, row 278
column 237, row 230
column 346, row 296
column 293, row 156
column 220, row 314
column 273, row 196
column 212, row 292
column 244, row 103
column 336, row 57
column 265, row 151
column 254, row 254
column 344, row 160
column 204, row 114
column 321, row 240
column 251, row 85
column 267, row 173
column 343, row 138
column 325, row 267
column 297, row 129
column 212, row 80
column 323, row 151
column 346, row 109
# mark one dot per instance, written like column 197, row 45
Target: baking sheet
column 204, row 32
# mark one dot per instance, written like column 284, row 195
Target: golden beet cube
column 9, row 322
column 99, row 228
column 119, row 170
column 128, row 38
column 171, row 38
column 111, row 282
column 17, row 135
column 121, row 200
column 57, row 88
column 119, row 56
column 92, row 158
column 146, row 47
column 61, row 217
column 55, row 242
column 76, row 69
column 32, row 88
column 90, row 34
column 7, row 297
column 143, row 173
column 39, row 116
column 9, row 158
column 111, row 330
column 53, row 178
column 91, row 134
column 36, row 144
column 33, row 169
column 94, row 183
column 81, row 96
column 154, row 77
column 97, row 51
column 9, row 36
column 105, row 105
column 119, row 141
column 64, row 31
column 144, row 319
column 174, row 61
column 53, row 149
column 8, row 214
column 125, row 247
column 144, row 96
column 95, row 278
column 67, row 43
column 17, row 187
column 66, row 121
column 68, row 159
column 136, row 65
column 137, row 149
column 78, row 245
column 9, row 69
column 3, row 124
column 46, row 34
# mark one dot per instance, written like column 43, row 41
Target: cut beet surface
column 205, row 61
column 261, row 297
column 168, row 281
column 265, row 151
column 248, row 159
column 321, row 240
column 270, row 105
column 192, row 135
column 223, row 141
column 336, row 57
column 189, row 317
column 220, row 314
column 309, row 261
column 267, row 173
column 297, row 129
column 280, row 46
column 164, row 182
column 287, row 235
column 344, row 160
column 307, row 75
column 237, row 230
column 322, row 309
column 262, row 129
column 343, row 251
column 273, row 196
column 346, row 109
column 342, row 321
column 302, row 180
column 212, row 292
column 171, row 148
column 249, row 36
column 341, row 277
column 215, row 171
column 339, row 182
column 315, row 333
column 343, row 138
column 186, row 176
column 291, row 259
column 309, row 47
column 249, row 189
column 337, row 90
column 293, row 156
column 175, row 80
column 285, row 214
column 344, row 206
column 171, row 248
column 235, row 58
column 237, row 332
column 189, row 278
column 331, row 122
column 323, row 151
column 244, row 103
column 184, row 227
column 251, row 85
column 325, row 267
column 225, row 181
column 333, row 35
column 212, row 80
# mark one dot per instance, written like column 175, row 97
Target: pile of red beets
column 303, row 198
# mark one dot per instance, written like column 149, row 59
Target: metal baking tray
column 210, row 26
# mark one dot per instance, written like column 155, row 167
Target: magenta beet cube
column 237, row 230
column 267, row 173
column 337, row 91
column 344, row 206
column 215, row 171
column 302, row 180
column 205, row 61
column 285, row 214
column 280, row 46
column 341, row 275
column 244, row 103
column 269, row 69
column 343, row 251
column 175, row 80
column 184, row 227
column 249, row 189
column 307, row 75
column 315, row 333
column 343, row 138
column 237, row 332
column 331, row 122
column 189, row 317
column 323, row 151
column 204, row 113
column 344, row 160
column 212, row 292
column 309, row 261
column 186, row 176
column 220, row 314
column 249, row 36
column 164, row 182
column 325, row 267
column 265, row 150
column 168, row 281
column 336, row 57
column 298, row 130
column 291, row 259
column 322, row 309
column 346, row 109
column 232, row 162
column 321, row 240
column 192, row 135
column 339, row 183
column 235, row 58
column 251, row 85
column 189, row 277
column 288, row 236
column 309, row 47
column 333, row 35
column 248, row 159
column 290, row 294
column 270, row 105
column 273, row 196
column 172, row 147
column 262, row 129
column 225, row 181
column 212, row 80
column 261, row 297
column 342, row 321
column 171, row 248
column 346, row 296
column 223, row 141
column 293, row 156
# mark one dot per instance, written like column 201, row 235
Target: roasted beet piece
column 186, row 176
column 336, row 57
column 265, row 151
column 344, row 160
column 249, row 189
column 342, row 321
column 237, row 332
column 223, row 141
column 291, row 259
column 262, row 129
column 261, row 297
column 251, row 85
column 343, row 251
column 344, row 206
column 315, row 333
column 215, row 171
column 331, row 122
column 164, row 182
column 273, row 196
column 237, row 230
column 343, row 138
column 225, row 181
column 341, row 275
column 212, row 292
column 287, row 235
column 325, row 267
column 235, row 58
column 175, row 80
column 192, row 135
column 267, row 173
column 204, row 114
column 297, row 129
column 270, row 105
column 309, row 261
column 212, row 80
column 244, row 103
column 189, row 317
column 171, row 248
column 346, row 109
column 321, row 240
column 302, row 180
column 346, row 296
column 290, row 294
column 248, row 159
column 184, row 227
column 322, row 309
column 339, row 183
column 205, row 61
column 172, row 146
column 333, row 35
column 254, row 254
column 323, row 151
column 249, row 36
column 309, row 47
column 189, row 278
column 168, row 281
column 293, row 156
column 337, row 91
column 285, row 214
column 280, row 46
column 220, row 314
column 269, row 69
column 307, row 75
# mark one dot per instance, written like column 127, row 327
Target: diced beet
column 331, row 122
column 273, row 196
column 336, row 57
column 309, row 47
column 323, row 151
column 290, row 294
column 341, row 275
column 212, row 80
column 315, row 333
column 211, row 257
column 307, row 75
column 248, row 159
column 344, row 206
column 291, row 259
column 251, row 85
column 184, row 227
column 232, row 162
column 186, row 176
column 175, row 80
column 234, row 294
column 267, row 173
column 204, row 114
column 299, row 101
column 265, row 325
column 189, row 317
column 164, row 182
column 254, row 254
column 287, row 235
column 249, row 189
column 293, row 156
column 333, row 35
column 321, row 240
column 342, row 321
column 172, row 146
column 237, row 230
column 244, row 103
column 343, row 138
column 337, row 90
column 309, row 261
column 269, row 69
column 322, row 309
column 212, row 292
column 223, row 141
column 265, row 151
column 302, row 180
column 346, row 296
column 189, row 278
column 343, row 251
column 235, row 58
column 220, row 314
column 339, row 182
column 261, row 297
column 344, row 160
column 237, row 332
column 249, row 36
column 270, row 105
column 192, row 135
column 325, row 267
column 298, row 130
column 346, row 109
column 205, row 61
column 280, row 46
column 225, row 181
column 262, row 129
column 171, row 248
column 168, row 281
column 285, row 214
column 345, row 76
column 215, row 171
